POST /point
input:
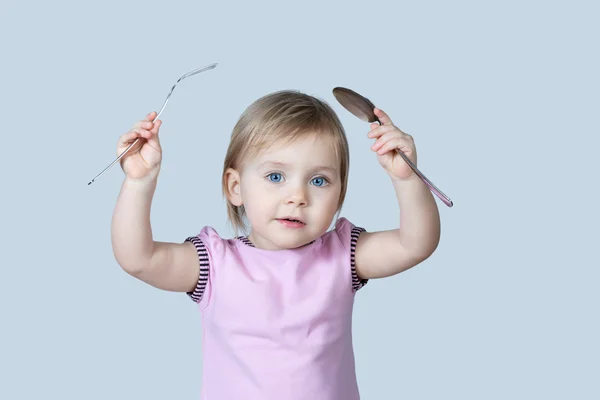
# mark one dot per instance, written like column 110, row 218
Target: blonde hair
column 283, row 115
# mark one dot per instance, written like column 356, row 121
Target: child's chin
column 292, row 242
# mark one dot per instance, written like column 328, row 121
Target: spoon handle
column 433, row 188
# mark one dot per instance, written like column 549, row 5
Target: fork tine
column 197, row 71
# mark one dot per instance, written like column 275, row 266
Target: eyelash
column 326, row 181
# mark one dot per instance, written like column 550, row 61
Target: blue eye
column 319, row 181
column 274, row 177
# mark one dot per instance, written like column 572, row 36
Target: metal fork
column 194, row 72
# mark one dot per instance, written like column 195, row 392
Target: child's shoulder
column 342, row 224
column 344, row 231
column 210, row 237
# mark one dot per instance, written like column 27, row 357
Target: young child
column 276, row 304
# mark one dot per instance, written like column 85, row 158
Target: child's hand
column 389, row 138
column 143, row 160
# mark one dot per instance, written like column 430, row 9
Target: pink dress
column 277, row 324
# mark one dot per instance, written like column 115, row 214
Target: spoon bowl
column 358, row 105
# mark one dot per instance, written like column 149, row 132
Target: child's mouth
column 291, row 222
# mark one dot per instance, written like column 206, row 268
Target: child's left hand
column 389, row 138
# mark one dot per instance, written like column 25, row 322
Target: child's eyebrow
column 280, row 164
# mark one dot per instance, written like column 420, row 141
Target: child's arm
column 168, row 266
column 386, row 253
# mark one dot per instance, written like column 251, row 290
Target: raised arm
column 168, row 266
column 387, row 253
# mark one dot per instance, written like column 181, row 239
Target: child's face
column 299, row 180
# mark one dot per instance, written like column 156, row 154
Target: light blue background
column 502, row 99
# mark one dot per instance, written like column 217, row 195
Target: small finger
column 391, row 144
column 397, row 143
column 383, row 117
column 127, row 137
column 144, row 132
column 390, row 135
column 130, row 136
column 142, row 124
column 379, row 131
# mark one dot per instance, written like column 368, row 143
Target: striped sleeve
column 198, row 292
column 357, row 283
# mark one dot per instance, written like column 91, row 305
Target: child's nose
column 297, row 196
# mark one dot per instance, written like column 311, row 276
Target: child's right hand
column 142, row 160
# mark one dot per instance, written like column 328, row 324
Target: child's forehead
column 316, row 147
column 315, row 143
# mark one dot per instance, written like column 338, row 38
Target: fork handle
column 126, row 150
column 114, row 162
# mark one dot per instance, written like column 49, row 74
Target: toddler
column 276, row 299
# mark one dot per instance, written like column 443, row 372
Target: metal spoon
column 194, row 72
column 363, row 108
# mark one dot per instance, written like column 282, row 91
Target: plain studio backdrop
column 501, row 98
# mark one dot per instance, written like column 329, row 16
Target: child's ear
column 233, row 187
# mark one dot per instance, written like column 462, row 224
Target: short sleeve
column 357, row 282
column 349, row 234
column 203, row 262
